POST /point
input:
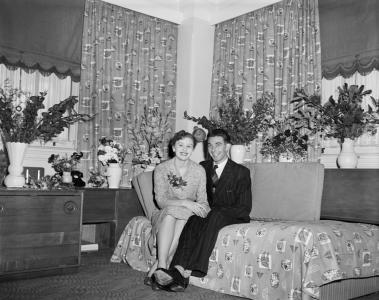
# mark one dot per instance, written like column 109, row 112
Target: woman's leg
column 164, row 240
column 179, row 224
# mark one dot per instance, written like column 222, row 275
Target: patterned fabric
column 128, row 62
column 273, row 260
column 193, row 188
column 272, row 49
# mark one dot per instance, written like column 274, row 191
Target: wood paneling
column 39, row 232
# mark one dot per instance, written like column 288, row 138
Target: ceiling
column 212, row 11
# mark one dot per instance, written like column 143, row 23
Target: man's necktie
column 214, row 178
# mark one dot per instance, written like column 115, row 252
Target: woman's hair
column 177, row 137
column 220, row 132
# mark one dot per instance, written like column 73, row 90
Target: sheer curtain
column 57, row 90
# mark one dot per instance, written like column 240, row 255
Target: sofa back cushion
column 286, row 191
column 143, row 184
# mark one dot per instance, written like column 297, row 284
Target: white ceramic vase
column 66, row 177
column 237, row 153
column 149, row 168
column 347, row 159
column 114, row 173
column 16, row 154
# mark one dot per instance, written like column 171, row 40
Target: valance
column 349, row 37
column 42, row 34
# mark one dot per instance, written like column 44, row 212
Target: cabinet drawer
column 39, row 232
column 99, row 206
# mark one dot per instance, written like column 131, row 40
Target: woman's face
column 183, row 148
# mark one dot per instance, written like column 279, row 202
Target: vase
column 347, row 159
column 237, row 153
column 114, row 173
column 16, row 154
column 66, row 177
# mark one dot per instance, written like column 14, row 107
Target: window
column 57, row 89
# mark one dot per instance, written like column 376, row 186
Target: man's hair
column 219, row 132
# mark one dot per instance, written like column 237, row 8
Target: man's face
column 218, row 149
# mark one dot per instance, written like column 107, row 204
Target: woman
column 180, row 191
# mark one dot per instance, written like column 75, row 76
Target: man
column 229, row 196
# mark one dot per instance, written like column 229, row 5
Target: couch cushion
column 143, row 184
column 286, row 191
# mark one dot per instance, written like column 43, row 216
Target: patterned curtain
column 128, row 62
column 273, row 49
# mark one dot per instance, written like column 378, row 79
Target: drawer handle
column 70, row 207
column 2, row 209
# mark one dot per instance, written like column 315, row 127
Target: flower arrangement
column 64, row 164
column 243, row 125
column 145, row 159
column 110, row 151
column 344, row 118
column 96, row 179
column 176, row 181
column 285, row 138
column 147, row 135
column 288, row 143
column 20, row 120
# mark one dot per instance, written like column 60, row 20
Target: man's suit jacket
column 233, row 191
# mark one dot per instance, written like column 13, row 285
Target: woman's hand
column 196, row 208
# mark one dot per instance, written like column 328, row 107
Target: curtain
column 274, row 49
column 128, row 62
column 349, row 37
column 42, row 34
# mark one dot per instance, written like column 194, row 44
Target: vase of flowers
column 243, row 125
column 148, row 135
column 21, row 122
column 285, row 142
column 342, row 119
column 16, row 153
column 111, row 154
column 63, row 166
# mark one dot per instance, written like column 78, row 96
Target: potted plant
column 65, row 165
column 22, row 123
column 285, row 141
column 243, row 125
column 343, row 119
column 111, row 154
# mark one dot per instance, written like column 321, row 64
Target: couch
column 286, row 251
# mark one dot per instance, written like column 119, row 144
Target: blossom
column 176, row 181
column 341, row 118
column 64, row 164
column 147, row 135
column 143, row 158
column 110, row 151
column 20, row 120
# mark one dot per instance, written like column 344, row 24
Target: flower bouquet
column 147, row 135
column 64, row 164
column 110, row 152
column 342, row 118
column 288, row 144
column 145, row 159
column 20, row 120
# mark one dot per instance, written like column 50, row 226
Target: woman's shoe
column 148, row 281
column 154, row 284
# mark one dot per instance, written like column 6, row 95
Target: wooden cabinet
column 112, row 207
column 39, row 232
